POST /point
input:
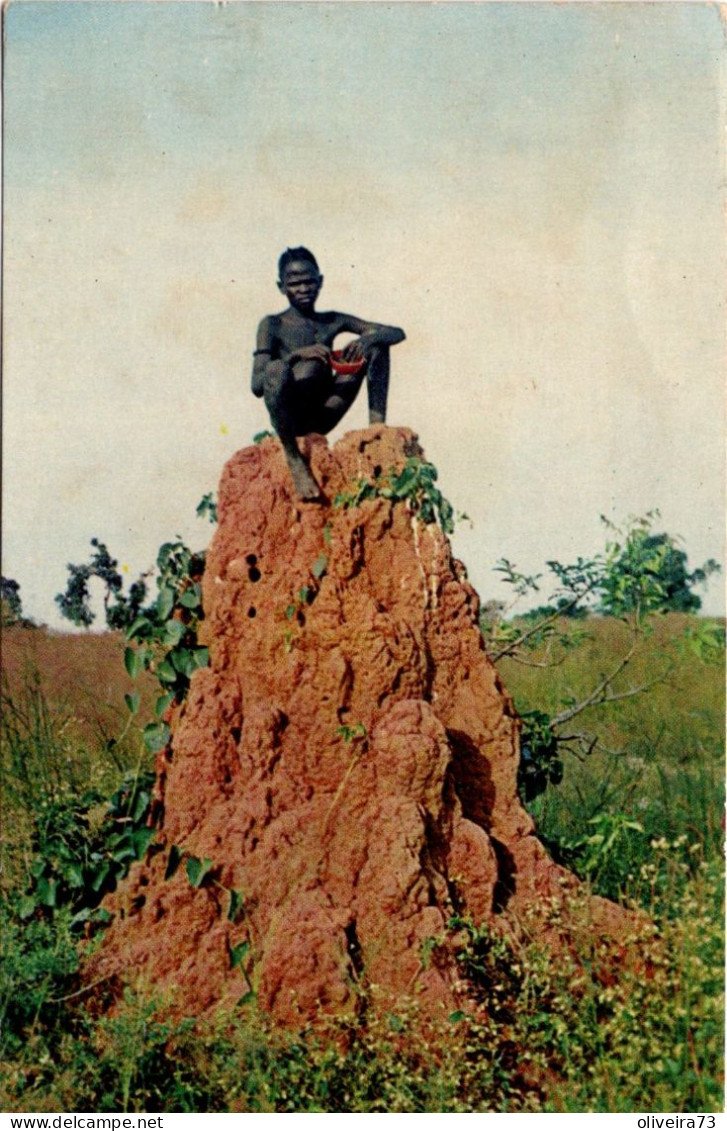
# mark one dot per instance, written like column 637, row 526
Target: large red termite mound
column 346, row 766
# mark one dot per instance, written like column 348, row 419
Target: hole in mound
column 252, row 612
column 236, row 733
column 377, row 471
column 254, row 573
column 251, row 559
column 353, row 946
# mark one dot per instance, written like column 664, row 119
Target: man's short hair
column 294, row 254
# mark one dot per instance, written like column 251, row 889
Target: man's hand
column 357, row 350
column 315, row 352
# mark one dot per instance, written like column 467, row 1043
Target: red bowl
column 338, row 365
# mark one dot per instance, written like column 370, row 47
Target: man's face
column 301, row 284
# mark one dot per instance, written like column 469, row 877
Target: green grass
column 640, row 820
column 660, row 758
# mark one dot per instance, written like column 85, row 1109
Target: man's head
column 299, row 278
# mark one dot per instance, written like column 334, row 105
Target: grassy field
column 641, row 819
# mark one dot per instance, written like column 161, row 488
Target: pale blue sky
column 533, row 191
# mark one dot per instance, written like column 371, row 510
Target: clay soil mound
column 344, row 770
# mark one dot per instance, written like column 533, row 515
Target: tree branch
column 597, row 695
column 545, row 623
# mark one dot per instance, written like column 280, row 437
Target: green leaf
column 197, row 870
column 156, row 736
column 165, row 602
column 141, row 804
column 141, row 627
column 100, row 876
column 47, row 891
column 74, row 875
column 181, row 659
column 320, row 565
column 187, row 660
column 174, row 630
column 165, row 672
column 173, row 861
column 237, row 953
column 132, row 702
column 132, row 662
column 192, row 597
column 458, row 1015
column 141, row 839
column 236, row 905
column 37, row 867
column 162, row 703
column 208, row 506
column 26, row 906
column 403, row 482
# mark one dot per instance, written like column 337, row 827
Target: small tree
column 641, row 573
column 120, row 610
column 12, row 609
column 648, row 571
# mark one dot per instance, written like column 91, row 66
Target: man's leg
column 280, row 400
column 377, row 381
column 344, row 390
column 346, row 387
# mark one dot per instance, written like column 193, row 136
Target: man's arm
column 371, row 334
column 262, row 355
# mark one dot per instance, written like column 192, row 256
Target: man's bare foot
column 305, row 485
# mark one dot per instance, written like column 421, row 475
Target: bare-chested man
column 293, row 371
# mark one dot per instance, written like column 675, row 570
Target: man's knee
column 310, row 370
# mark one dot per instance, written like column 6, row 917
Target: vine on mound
column 166, row 635
column 414, row 484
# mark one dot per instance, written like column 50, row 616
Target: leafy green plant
column 39, row 964
column 121, row 610
column 164, row 637
column 207, row 506
column 83, row 847
column 608, row 852
column 706, row 640
column 414, row 485
column 540, row 761
column 352, row 733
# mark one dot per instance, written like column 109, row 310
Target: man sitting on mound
column 307, row 387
